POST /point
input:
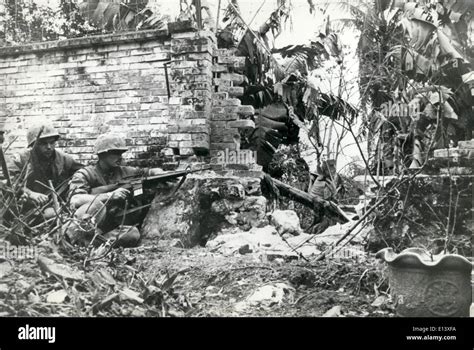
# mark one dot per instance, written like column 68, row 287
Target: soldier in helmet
column 323, row 185
column 42, row 162
column 104, row 207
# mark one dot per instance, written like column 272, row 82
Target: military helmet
column 47, row 130
column 109, row 142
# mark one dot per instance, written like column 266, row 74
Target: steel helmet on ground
column 46, row 129
column 109, row 142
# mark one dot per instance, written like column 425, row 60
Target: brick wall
column 88, row 86
column 190, row 83
column 228, row 115
column 117, row 83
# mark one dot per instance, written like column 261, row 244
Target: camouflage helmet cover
column 109, row 142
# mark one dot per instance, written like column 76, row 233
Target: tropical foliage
column 409, row 53
column 25, row 21
column 278, row 85
column 414, row 54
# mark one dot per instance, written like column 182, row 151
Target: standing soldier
column 41, row 163
column 104, row 207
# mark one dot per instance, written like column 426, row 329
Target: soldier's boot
column 126, row 236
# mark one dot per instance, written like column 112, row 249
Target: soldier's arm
column 16, row 165
column 79, row 191
column 155, row 171
column 70, row 164
column 74, row 166
column 19, row 166
column 133, row 171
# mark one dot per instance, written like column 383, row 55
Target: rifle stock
column 105, row 189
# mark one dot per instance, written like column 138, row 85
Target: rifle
column 136, row 183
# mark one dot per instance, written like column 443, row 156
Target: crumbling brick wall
column 228, row 115
column 190, row 83
column 118, row 83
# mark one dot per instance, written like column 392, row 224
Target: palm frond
column 276, row 20
column 310, row 54
column 231, row 16
column 151, row 20
column 108, row 15
column 322, row 48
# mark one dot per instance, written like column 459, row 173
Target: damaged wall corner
column 203, row 206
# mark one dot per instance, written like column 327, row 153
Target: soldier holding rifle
column 103, row 191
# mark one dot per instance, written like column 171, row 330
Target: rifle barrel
column 174, row 174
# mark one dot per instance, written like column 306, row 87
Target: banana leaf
column 108, row 15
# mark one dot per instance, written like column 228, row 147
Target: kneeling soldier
column 105, row 207
column 42, row 165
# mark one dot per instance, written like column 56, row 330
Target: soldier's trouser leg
column 92, row 210
column 81, row 229
column 107, row 222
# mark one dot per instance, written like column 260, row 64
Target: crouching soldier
column 106, row 208
column 41, row 165
column 323, row 187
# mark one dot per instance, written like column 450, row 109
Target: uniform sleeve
column 133, row 171
column 79, row 184
column 72, row 165
column 16, row 164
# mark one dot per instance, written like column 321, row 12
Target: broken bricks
column 285, row 221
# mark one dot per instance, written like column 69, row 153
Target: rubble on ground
column 203, row 206
column 246, row 261
column 265, row 240
column 285, row 221
column 269, row 242
column 267, row 295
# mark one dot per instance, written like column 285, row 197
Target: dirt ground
column 164, row 281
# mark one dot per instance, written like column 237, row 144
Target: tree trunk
column 307, row 199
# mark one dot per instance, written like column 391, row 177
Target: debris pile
column 203, row 206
